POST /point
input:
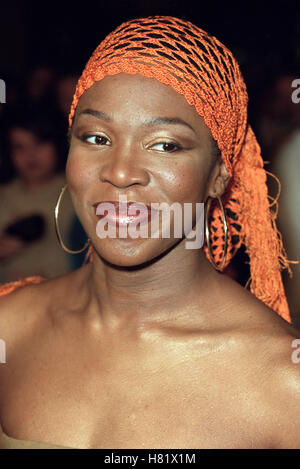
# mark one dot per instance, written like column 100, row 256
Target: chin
column 132, row 252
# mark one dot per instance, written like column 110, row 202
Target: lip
column 117, row 213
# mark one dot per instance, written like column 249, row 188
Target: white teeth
column 123, row 209
column 122, row 213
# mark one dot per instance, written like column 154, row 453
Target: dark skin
column 150, row 347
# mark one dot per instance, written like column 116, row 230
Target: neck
column 119, row 298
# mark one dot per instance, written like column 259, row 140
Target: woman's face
column 136, row 137
column 34, row 161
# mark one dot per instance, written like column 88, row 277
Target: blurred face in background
column 40, row 82
column 65, row 91
column 34, row 160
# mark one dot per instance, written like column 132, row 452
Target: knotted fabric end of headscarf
column 262, row 239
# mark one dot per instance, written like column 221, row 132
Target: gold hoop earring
column 57, row 230
column 220, row 268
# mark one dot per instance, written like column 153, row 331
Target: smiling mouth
column 125, row 213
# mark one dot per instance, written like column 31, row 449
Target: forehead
column 21, row 133
column 125, row 93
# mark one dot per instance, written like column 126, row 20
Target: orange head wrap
column 203, row 70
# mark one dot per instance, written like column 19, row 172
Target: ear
column 218, row 180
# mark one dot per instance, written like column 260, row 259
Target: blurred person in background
column 65, row 90
column 286, row 165
column 41, row 81
column 279, row 131
column 278, row 117
column 14, row 95
column 28, row 242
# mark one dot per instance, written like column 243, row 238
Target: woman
column 152, row 347
column 28, row 245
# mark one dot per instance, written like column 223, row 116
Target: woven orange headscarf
column 203, row 70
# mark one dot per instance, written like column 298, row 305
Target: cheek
column 48, row 158
column 185, row 182
column 16, row 157
column 81, row 176
column 78, row 172
column 19, row 159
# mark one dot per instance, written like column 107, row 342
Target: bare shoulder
column 283, row 389
column 18, row 312
column 269, row 349
column 257, row 354
column 244, row 311
column 27, row 307
column 268, row 368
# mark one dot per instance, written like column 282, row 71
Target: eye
column 95, row 139
column 167, row 147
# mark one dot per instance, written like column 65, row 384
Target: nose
column 124, row 170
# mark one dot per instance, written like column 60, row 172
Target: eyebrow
column 167, row 120
column 153, row 121
column 98, row 114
